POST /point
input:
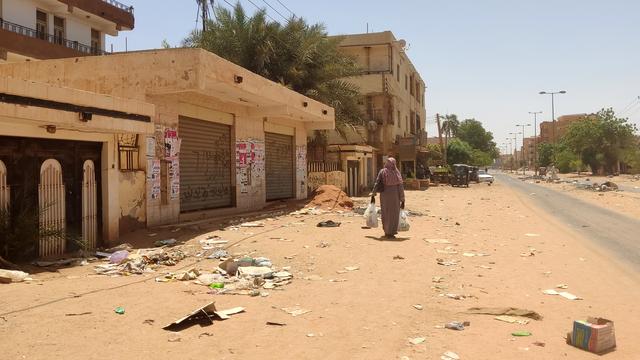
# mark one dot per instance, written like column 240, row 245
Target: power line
column 259, row 8
column 285, row 6
column 274, row 9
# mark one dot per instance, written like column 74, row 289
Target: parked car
column 460, row 176
column 484, row 177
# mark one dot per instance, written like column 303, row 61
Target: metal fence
column 321, row 166
column 33, row 33
column 120, row 6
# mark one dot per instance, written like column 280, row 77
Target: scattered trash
column 149, row 322
column 418, row 307
column 219, row 254
column 457, row 325
column 123, row 246
column 521, row 333
column 63, row 262
column 457, row 296
column 165, row 242
column 596, row 335
column 295, row 311
column 352, row 268
column 443, row 262
column 449, row 355
column 437, row 279
column 323, row 244
column 532, row 235
column 448, row 251
column 141, row 261
column 8, row 276
column 212, row 242
column 205, row 334
column 417, row 341
column 505, row 311
column 81, row 314
column 564, row 294
column 371, row 216
column 255, row 271
column 530, row 252
column 252, row 224
column 118, row 256
column 337, row 280
column 119, row 310
column 174, row 337
column 539, row 343
column 328, row 223
column 562, row 286
column 398, row 257
column 437, row 241
column 276, row 323
column 313, row 278
column 403, row 225
column 511, row 319
column 203, row 316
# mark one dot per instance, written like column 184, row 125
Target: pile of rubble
column 330, row 197
column 125, row 262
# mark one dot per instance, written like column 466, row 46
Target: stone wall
column 316, row 179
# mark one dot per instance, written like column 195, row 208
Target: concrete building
column 393, row 97
column 196, row 137
column 51, row 29
column 529, row 151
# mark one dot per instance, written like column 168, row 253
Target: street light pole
column 515, row 147
column 510, row 143
column 553, row 114
column 524, row 158
column 535, row 140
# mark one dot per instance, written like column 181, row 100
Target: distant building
column 561, row 127
column 528, row 150
column 51, row 29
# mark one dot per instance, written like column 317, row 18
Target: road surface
column 617, row 233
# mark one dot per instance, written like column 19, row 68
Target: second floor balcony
column 40, row 45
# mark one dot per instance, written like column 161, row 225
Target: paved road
column 618, row 233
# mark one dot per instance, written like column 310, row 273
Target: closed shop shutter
column 205, row 165
column 279, row 166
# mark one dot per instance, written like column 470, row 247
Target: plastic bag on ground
column 371, row 214
column 403, row 225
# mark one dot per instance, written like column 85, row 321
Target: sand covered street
column 365, row 298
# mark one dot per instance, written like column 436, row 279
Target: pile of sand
column 330, row 197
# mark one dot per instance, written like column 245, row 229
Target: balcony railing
column 120, row 6
column 23, row 30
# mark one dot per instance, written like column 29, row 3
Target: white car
column 484, row 177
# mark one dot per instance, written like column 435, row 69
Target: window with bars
column 128, row 152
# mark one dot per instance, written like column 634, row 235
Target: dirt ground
column 369, row 315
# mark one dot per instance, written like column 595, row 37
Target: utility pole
column 444, row 150
column 535, row 140
column 524, row 158
column 515, row 148
column 553, row 114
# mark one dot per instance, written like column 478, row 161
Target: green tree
column 600, row 140
column 434, row 151
column 472, row 132
column 297, row 55
column 480, row 158
column 459, row 152
column 545, row 154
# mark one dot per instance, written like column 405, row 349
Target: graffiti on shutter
column 89, row 205
column 279, row 164
column 205, row 165
column 51, row 200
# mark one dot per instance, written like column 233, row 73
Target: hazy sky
column 485, row 59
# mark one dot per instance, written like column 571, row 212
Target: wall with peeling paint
column 133, row 213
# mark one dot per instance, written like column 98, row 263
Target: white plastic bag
column 403, row 225
column 371, row 214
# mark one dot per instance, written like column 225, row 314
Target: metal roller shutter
column 279, row 166
column 205, row 165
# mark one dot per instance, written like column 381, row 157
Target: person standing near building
column 390, row 186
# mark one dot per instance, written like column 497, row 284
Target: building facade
column 562, row 124
column 393, row 97
column 171, row 135
column 51, row 29
column 529, row 150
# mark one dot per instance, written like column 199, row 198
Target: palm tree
column 450, row 126
column 297, row 55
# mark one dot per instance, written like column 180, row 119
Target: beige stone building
column 393, row 103
column 172, row 135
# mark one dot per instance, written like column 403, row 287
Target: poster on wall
column 174, row 179
column 151, row 146
column 171, row 143
column 153, row 175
